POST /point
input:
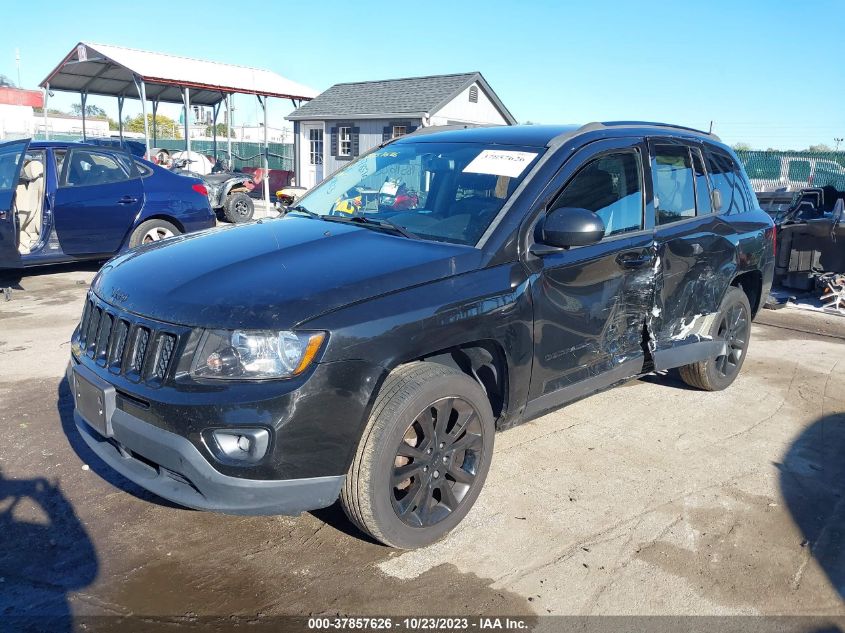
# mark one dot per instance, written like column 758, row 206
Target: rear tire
column 423, row 456
column 732, row 325
column 152, row 231
column 238, row 208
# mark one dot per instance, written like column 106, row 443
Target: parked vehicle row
column 368, row 351
column 63, row 202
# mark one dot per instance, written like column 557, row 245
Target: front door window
column 609, row 186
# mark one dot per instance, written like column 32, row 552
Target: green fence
column 772, row 170
column 244, row 154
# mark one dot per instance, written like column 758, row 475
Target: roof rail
column 657, row 124
column 601, row 125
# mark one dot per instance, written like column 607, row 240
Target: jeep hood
column 272, row 274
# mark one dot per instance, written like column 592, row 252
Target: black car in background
column 358, row 350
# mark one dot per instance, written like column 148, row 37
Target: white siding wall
column 461, row 109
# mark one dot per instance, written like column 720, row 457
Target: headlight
column 250, row 355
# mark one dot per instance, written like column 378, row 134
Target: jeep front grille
column 140, row 349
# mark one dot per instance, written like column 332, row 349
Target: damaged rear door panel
column 695, row 258
column 697, row 250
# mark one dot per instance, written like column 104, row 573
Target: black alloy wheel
column 436, row 462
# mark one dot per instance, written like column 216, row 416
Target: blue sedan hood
column 271, row 274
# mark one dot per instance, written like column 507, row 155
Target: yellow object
column 311, row 350
column 349, row 205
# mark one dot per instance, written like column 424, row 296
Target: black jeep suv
column 447, row 284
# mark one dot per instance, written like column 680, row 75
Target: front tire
column 423, row 456
column 152, row 231
column 733, row 327
column 238, row 208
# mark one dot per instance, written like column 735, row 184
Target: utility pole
column 838, row 141
column 18, row 64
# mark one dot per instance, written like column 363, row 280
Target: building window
column 473, row 94
column 399, row 130
column 315, row 138
column 344, row 141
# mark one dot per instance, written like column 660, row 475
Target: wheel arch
column 482, row 360
column 751, row 283
column 154, row 216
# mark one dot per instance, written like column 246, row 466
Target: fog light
column 245, row 446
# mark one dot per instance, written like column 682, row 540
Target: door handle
column 127, row 200
column 635, row 259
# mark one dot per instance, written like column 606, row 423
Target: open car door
column 11, row 162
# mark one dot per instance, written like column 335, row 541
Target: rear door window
column 674, row 189
column 726, row 178
column 703, row 202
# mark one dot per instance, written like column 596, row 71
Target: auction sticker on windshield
column 500, row 162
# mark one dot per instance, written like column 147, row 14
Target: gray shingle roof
column 412, row 96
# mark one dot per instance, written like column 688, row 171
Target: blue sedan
column 64, row 202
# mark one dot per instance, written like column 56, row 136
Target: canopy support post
column 216, row 110
column 46, row 95
column 155, row 127
column 186, row 98
column 229, row 128
column 265, row 153
column 83, row 98
column 142, row 93
column 120, row 117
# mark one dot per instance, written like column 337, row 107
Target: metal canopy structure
column 103, row 69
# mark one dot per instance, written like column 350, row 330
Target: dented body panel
column 537, row 328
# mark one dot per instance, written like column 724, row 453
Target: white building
column 363, row 115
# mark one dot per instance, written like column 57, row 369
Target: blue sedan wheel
column 152, row 231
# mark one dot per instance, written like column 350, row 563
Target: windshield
column 448, row 192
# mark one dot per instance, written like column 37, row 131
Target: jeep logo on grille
column 118, row 295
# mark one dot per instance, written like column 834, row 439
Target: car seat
column 29, row 200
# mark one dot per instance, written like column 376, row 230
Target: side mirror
column 571, row 226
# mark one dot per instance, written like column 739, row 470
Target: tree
column 820, row 148
column 221, row 130
column 165, row 126
column 5, row 82
column 90, row 110
column 742, row 147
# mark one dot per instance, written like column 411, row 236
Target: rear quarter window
column 726, row 178
column 143, row 169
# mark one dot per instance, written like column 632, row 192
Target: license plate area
column 95, row 401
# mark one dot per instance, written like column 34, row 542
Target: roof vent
column 473, row 94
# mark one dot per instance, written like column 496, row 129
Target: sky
column 765, row 72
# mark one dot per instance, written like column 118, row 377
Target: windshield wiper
column 382, row 224
column 300, row 209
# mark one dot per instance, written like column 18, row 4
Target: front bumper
column 170, row 466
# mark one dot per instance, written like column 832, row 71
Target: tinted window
column 610, row 187
column 726, row 178
column 88, row 168
column 10, row 156
column 799, row 170
column 143, row 169
column 674, row 191
column 702, row 185
column 59, row 157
